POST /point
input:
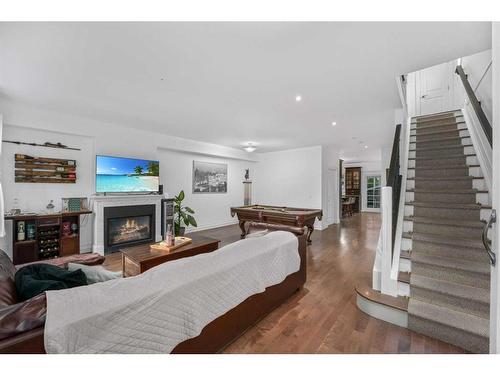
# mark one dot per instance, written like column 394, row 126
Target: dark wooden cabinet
column 353, row 185
column 45, row 236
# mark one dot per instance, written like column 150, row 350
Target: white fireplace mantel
column 98, row 203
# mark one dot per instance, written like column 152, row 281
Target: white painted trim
column 382, row 312
column 405, row 149
column 211, row 226
column 387, row 286
column 495, row 192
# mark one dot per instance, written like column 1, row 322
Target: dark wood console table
column 46, row 239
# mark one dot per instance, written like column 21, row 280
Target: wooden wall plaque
column 44, row 170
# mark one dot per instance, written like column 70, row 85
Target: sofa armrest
column 23, row 317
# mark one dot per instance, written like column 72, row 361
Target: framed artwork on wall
column 209, row 177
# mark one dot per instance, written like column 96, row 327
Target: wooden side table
column 139, row 259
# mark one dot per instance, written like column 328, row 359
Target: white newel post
column 386, row 240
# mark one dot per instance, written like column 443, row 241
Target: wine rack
column 48, row 238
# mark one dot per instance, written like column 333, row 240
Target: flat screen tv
column 124, row 175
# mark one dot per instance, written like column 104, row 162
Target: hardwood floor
column 323, row 317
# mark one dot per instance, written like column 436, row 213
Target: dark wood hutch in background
column 353, row 186
column 47, row 237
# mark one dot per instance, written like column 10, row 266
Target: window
column 373, row 192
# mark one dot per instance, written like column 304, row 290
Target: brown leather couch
column 23, row 326
column 21, row 322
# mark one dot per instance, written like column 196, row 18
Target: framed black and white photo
column 209, row 177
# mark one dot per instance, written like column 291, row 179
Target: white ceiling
column 229, row 83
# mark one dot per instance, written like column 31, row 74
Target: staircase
column 446, row 204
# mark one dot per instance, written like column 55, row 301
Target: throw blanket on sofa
column 155, row 311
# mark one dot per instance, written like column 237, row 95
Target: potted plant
column 182, row 215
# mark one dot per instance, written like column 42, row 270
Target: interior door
column 434, row 89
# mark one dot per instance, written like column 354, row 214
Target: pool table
column 298, row 217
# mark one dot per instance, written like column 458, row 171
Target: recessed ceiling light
column 298, row 98
column 334, row 123
column 366, row 146
column 250, row 148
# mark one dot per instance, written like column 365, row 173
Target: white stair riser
column 406, row 244
column 479, row 184
column 407, row 226
column 404, row 265
column 403, row 289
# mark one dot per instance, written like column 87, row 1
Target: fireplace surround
column 128, row 225
column 99, row 203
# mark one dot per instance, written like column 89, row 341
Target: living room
column 220, row 187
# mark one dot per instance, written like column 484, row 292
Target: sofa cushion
column 8, row 295
column 95, row 274
column 37, row 278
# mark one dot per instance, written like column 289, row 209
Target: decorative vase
column 182, row 230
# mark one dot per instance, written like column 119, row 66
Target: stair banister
column 483, row 120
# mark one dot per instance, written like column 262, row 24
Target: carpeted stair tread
column 441, row 157
column 440, row 221
column 437, row 132
column 465, row 322
column 404, row 277
column 452, row 147
column 447, row 178
column 405, row 254
column 446, row 114
column 443, row 240
column 448, row 166
column 446, row 191
column 440, row 139
column 452, row 263
column 468, row 292
column 433, row 124
column 457, row 206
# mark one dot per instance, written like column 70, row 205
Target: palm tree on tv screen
column 138, row 170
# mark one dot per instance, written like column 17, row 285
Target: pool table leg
column 242, row 227
column 310, row 232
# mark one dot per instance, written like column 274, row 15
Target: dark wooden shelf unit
column 48, row 240
column 353, row 185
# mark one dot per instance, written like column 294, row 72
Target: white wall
column 290, row 178
column 34, row 197
column 368, row 168
column 475, row 66
column 94, row 137
column 212, row 210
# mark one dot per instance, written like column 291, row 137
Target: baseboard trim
column 211, row 226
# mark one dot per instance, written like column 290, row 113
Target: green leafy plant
column 182, row 215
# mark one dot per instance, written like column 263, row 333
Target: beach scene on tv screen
column 122, row 175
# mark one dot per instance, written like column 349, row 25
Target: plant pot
column 182, row 230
